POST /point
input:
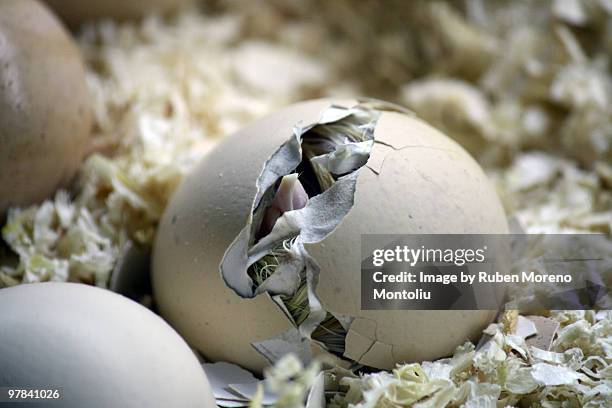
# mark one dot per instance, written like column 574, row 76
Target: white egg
column 416, row 181
column 45, row 116
column 97, row 348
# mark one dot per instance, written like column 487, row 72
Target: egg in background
column 45, row 114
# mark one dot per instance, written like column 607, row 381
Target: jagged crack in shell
column 337, row 147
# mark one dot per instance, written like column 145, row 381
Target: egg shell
column 75, row 12
column 99, row 349
column 45, row 116
column 212, row 205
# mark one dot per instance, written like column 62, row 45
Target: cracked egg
column 259, row 251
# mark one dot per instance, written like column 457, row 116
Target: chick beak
column 289, row 196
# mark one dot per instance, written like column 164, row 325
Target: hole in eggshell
column 304, row 191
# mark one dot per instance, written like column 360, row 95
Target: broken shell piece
column 546, row 328
column 233, row 386
column 525, row 327
column 415, row 181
